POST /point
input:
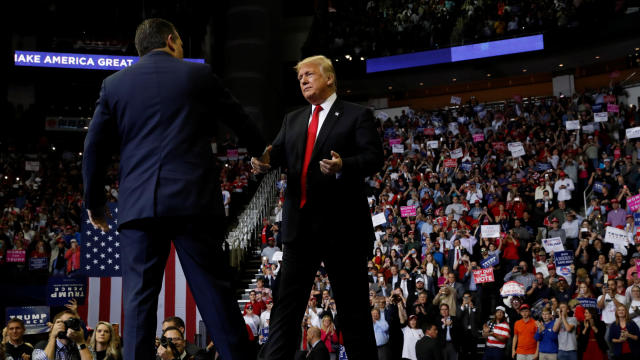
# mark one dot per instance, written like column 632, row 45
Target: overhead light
column 347, row 56
column 337, row 60
column 79, row 154
column 560, row 65
column 454, row 79
column 524, row 70
column 17, row 179
column 362, row 58
column 597, row 57
column 389, row 87
column 488, row 75
column 348, row 91
column 421, row 83
column 637, row 49
column 53, row 148
column 6, row 177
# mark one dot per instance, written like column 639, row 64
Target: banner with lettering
column 61, row 289
column 15, row 256
column 35, row 318
column 406, row 211
column 634, row 202
column 483, row 275
column 492, row 260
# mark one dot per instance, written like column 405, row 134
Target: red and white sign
column 500, row 146
column 612, row 108
column 634, row 202
column 478, row 137
column 232, row 154
column 450, row 163
column 406, row 211
column 16, row 256
column 483, row 275
column 609, row 98
column 429, row 131
column 395, row 141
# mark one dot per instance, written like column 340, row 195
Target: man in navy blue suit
column 161, row 113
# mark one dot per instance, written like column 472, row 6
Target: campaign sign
column 378, row 219
column 456, row 100
column 478, row 137
column 573, row 125
column 636, row 219
column 61, row 289
column 382, row 115
column 432, row 144
column 232, row 154
column 518, row 153
column 32, row 165
column 450, row 163
column 483, row 275
column 588, row 128
column 552, row 245
column 634, row 202
column 609, row 98
column 429, row 131
column 597, row 187
column 35, row 318
column 15, row 256
column 616, row 236
column 633, row 132
column 490, row 231
column 543, row 166
column 456, row 153
column 563, row 258
column 38, row 263
column 588, row 302
column 513, row 146
column 512, row 288
column 406, row 211
column 613, row 108
column 466, row 166
column 453, row 127
column 265, row 335
column 492, row 260
column 395, row 141
column 638, row 265
column 342, row 353
column 600, row 117
column 397, row 148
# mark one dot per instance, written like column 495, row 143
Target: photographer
column 66, row 340
column 172, row 344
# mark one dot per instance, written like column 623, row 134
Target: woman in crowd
column 329, row 336
column 396, row 259
column 624, row 335
column 497, row 333
column 591, row 342
column 378, row 258
column 411, row 334
column 105, row 342
column 634, row 306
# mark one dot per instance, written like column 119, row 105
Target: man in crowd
column 13, row 339
column 318, row 348
column 381, row 331
column 64, row 342
column 175, row 347
column 524, row 345
column 566, row 326
column 449, row 334
column 177, row 322
column 521, row 274
column 428, row 347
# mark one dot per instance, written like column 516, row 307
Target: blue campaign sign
column 563, row 258
column 596, row 108
column 60, row 290
column 77, row 61
column 588, row 302
column 35, row 318
column 265, row 335
column 342, row 353
column 38, row 263
column 597, row 187
column 636, row 219
column 543, row 166
column 492, row 260
column 466, row 166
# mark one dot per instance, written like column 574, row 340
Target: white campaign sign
column 601, row 117
column 456, row 154
column 398, row 148
column 588, row 128
column 616, row 236
column 453, row 127
column 573, row 125
column 552, row 244
column 490, row 231
column 378, row 219
column 513, row 146
column 518, row 152
column 433, row 144
column 633, row 133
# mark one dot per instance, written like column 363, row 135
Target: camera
column 73, row 324
column 167, row 343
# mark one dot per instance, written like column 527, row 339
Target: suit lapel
column 300, row 127
column 329, row 122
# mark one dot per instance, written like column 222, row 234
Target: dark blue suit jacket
column 161, row 114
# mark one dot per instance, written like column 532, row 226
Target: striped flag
column 104, row 288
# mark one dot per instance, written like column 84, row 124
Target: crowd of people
column 382, row 28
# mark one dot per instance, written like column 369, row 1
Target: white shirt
column 564, row 194
column 411, row 337
column 609, row 310
column 326, row 106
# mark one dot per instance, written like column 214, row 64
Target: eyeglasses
column 175, row 339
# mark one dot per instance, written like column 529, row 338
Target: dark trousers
column 345, row 259
column 145, row 246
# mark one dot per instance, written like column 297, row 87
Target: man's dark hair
column 173, row 328
column 152, row 34
column 16, row 320
column 429, row 326
column 176, row 321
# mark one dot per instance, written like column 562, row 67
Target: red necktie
column 311, row 140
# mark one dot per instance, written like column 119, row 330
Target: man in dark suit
column 428, row 348
column 328, row 149
column 162, row 113
column 450, row 334
column 318, row 348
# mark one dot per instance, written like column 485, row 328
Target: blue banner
column 35, row 318
column 563, row 258
column 342, row 353
column 596, row 108
column 60, row 290
column 38, row 263
column 636, row 219
column 597, row 187
column 492, row 260
column 265, row 335
column 588, row 302
column 466, row 166
column 543, row 166
column 77, row 61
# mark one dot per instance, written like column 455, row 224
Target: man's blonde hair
column 326, row 66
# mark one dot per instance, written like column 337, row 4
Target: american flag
column 101, row 263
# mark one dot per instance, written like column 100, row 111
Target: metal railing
column 250, row 220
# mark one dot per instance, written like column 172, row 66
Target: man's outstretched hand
column 333, row 166
column 261, row 165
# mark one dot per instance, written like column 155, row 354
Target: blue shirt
column 548, row 339
column 381, row 330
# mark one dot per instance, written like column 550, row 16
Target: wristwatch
column 82, row 347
